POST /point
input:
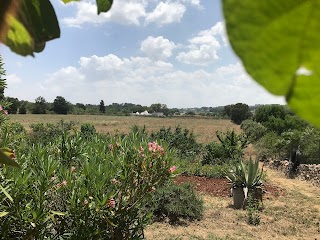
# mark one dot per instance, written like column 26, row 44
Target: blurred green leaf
column 28, row 25
column 104, row 5
column 6, row 157
column 279, row 45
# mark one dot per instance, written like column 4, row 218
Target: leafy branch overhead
column 26, row 25
column 279, row 45
column 277, row 41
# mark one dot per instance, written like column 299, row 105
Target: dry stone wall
column 308, row 172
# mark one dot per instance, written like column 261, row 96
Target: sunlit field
column 204, row 128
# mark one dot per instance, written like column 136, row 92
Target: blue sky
column 174, row 52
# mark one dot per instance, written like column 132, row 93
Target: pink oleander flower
column 1, row 108
column 52, row 179
column 5, row 112
column 112, row 203
column 141, row 149
column 172, row 169
column 142, row 155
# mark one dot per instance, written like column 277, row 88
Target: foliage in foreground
column 100, row 192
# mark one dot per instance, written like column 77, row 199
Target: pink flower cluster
column 2, row 110
column 154, row 147
column 63, row 183
column 112, row 203
column 172, row 169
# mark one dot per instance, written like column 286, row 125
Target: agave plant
column 246, row 174
column 252, row 175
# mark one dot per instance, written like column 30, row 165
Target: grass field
column 203, row 128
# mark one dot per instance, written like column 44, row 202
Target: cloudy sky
column 174, row 52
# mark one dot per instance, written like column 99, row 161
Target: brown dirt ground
column 220, row 187
column 291, row 211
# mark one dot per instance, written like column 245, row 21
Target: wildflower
column 153, row 189
column 85, row 202
column 64, row 183
column 112, row 203
column 141, row 149
column 5, row 112
column 73, row 169
column 90, row 197
column 1, row 108
column 172, row 169
column 142, row 155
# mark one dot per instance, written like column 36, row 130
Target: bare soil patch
column 219, row 187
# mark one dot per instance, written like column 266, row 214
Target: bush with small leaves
column 177, row 201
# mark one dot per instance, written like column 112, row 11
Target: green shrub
column 101, row 196
column 182, row 140
column 252, row 211
column 215, row 153
column 177, row 201
column 198, row 169
column 232, row 143
column 45, row 133
column 253, row 129
column 87, row 130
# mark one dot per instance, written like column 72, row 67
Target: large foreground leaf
column 6, row 157
column 275, row 39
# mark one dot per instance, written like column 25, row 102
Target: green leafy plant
column 288, row 66
column 177, row 201
column 182, row 140
column 252, row 211
column 26, row 25
column 232, row 143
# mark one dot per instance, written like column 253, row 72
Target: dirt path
column 293, row 215
column 294, row 185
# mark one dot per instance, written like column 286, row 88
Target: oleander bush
column 182, row 140
column 70, row 187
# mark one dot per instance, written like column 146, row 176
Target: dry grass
column 293, row 216
column 203, row 128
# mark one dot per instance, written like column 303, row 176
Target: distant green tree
column 158, row 107
column 22, row 109
column 14, row 105
column 102, row 107
column 39, row 106
column 263, row 113
column 3, row 84
column 60, row 105
column 239, row 112
column 227, row 110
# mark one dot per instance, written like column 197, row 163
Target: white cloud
column 203, row 49
column 158, row 48
column 142, row 80
column 165, row 13
column 126, row 12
